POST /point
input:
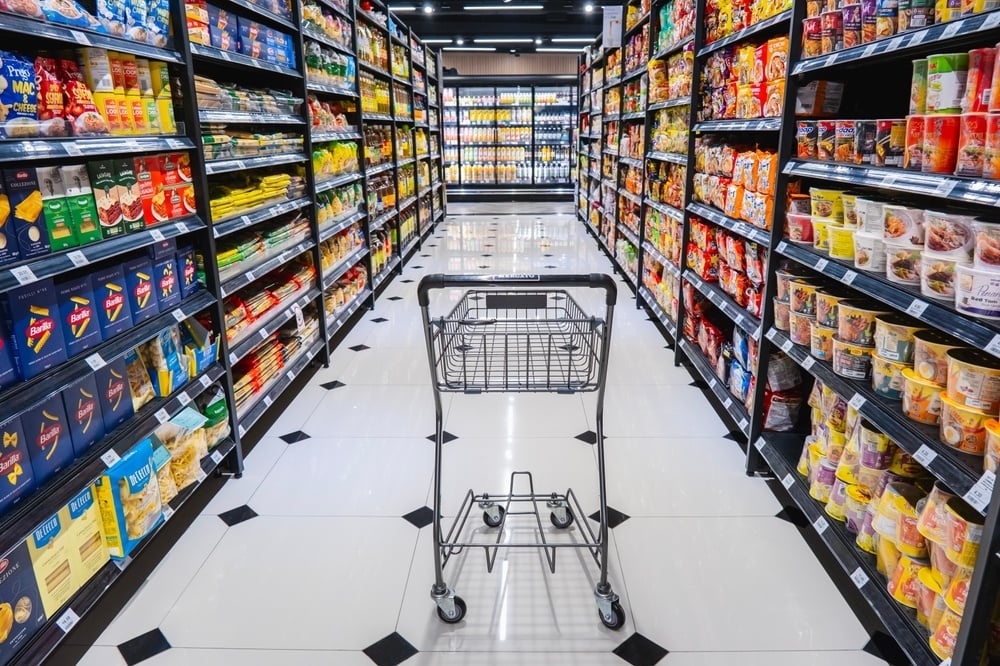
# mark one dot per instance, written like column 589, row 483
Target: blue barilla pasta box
column 78, row 312
column 142, row 297
column 28, row 211
column 50, row 445
column 83, row 411
column 187, row 270
column 21, row 611
column 168, row 286
column 16, row 476
column 113, row 309
column 115, row 395
column 8, row 369
column 31, row 315
column 129, row 496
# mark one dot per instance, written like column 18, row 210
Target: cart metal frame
column 519, row 334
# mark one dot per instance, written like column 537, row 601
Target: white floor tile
column 375, row 411
column 389, row 366
column 298, row 412
column 526, row 415
column 257, row 465
column 101, row 655
column 827, row 658
column 466, row 658
column 657, row 411
column 231, row 657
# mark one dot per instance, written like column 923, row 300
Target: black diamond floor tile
column 406, row 281
column 144, row 647
column 487, row 255
column 547, row 255
column 640, row 651
column 446, row 437
column 698, row 384
column 615, row 517
column 329, row 386
column 793, row 515
column 395, row 298
column 588, row 437
column 734, row 436
column 551, row 266
column 484, row 266
column 358, row 348
column 391, row 650
column 425, row 255
column 432, row 245
column 421, row 517
column 293, row 437
column 415, row 266
column 380, row 320
column 238, row 515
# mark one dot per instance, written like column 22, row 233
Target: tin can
column 864, row 141
column 903, row 16
column 868, row 21
column 918, row 87
column 921, row 13
column 852, row 24
column 947, row 74
column 913, row 151
column 978, row 80
column 940, row 150
column 890, row 142
column 831, row 31
column 886, row 18
column 991, row 153
column 971, row 145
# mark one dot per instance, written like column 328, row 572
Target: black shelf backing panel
column 729, row 403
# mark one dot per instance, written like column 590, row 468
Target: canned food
column 913, row 150
column 971, row 145
column 918, row 87
column 868, row 21
column 947, row 10
column 858, row 498
column 909, row 540
column 921, row 13
column 812, row 37
column 904, row 582
column 940, row 143
column 836, row 505
column 946, row 77
column 852, row 25
column 978, row 80
column 965, row 532
column 886, row 18
column 866, row 535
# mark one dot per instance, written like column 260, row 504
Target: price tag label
column 952, row 29
column 225, row 56
column 894, row 43
column 786, row 346
column 205, row 381
column 176, row 143
column 772, row 334
column 728, row 403
column 162, row 416
column 870, row 49
column 110, row 458
column 925, row 455
column 241, row 430
column 992, row 20
column 821, row 264
column 178, row 315
column 889, row 180
column 743, row 424
column 849, row 277
column 760, row 443
column 263, row 333
column 916, row 308
column 820, row 525
column 95, row 361
column 945, row 187
column 182, row 227
column 808, row 362
column 788, row 481
column 184, row 399
column 245, row 219
column 859, row 578
column 268, row 401
column 994, row 345
column 23, row 275
column 857, row 401
column 291, row 375
column 67, row 620
column 233, row 358
column 981, row 492
column 80, row 37
column 201, row 476
column 157, row 235
column 216, row 456
column 251, row 276
column 713, row 383
column 917, row 38
column 77, row 258
column 168, row 512
column 72, row 149
column 830, row 59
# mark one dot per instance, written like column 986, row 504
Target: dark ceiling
column 452, row 19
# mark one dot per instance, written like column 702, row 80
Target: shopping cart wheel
column 561, row 524
column 459, row 612
column 494, row 522
column 617, row 620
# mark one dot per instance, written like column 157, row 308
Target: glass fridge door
column 477, row 135
column 449, row 118
column 514, row 119
column 555, row 119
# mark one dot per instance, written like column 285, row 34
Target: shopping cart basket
column 518, row 334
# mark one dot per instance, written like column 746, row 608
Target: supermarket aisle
column 321, row 554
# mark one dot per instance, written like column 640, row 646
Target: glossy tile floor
column 326, row 570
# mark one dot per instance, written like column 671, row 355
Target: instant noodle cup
column 886, row 556
column 894, row 337
column 856, row 321
column 865, row 207
column 933, row 520
column 902, row 262
column 909, row 540
column 821, row 341
column 930, row 587
column 965, row 532
column 903, row 224
column 890, row 142
column 869, row 478
column 803, row 465
column 827, row 299
column 963, row 428
column 918, row 87
column 836, row 413
column 851, row 25
column 836, row 506
column 905, row 466
column 850, row 210
column 851, row 360
column 986, row 254
column 930, row 355
column 841, row 242
column 827, row 204
column 937, row 276
column 949, row 234
column 781, row 315
column 876, row 447
column 947, row 74
column 941, row 134
column 869, row 251
column 835, row 445
column 958, row 590
column 991, row 154
column 866, row 535
column 847, row 468
column 800, row 204
column 913, row 149
column 974, row 379
column 821, row 239
column 945, row 635
column 977, row 292
column 978, row 81
column 939, row 558
column 822, row 485
column 992, row 461
column 921, row 398
column 802, row 295
column 887, row 377
column 815, row 458
column 799, row 330
column 904, row 584
column 799, row 228
column 888, row 507
column 785, row 276
column 889, row 476
column 856, row 503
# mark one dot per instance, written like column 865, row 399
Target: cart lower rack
column 517, row 334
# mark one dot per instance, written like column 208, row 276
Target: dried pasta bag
column 128, row 494
column 163, row 362
column 161, row 463
column 138, row 381
column 184, row 438
column 212, row 404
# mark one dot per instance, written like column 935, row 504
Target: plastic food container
column 828, row 204
column 949, row 234
column 802, row 295
column 851, row 360
column 781, row 315
column 931, row 587
column 890, row 142
column 869, row 251
column 784, row 278
column 941, row 134
column 987, row 245
column 850, row 210
column 909, row 540
column 822, row 485
column 903, row 224
column 974, row 379
column 841, row 241
column 827, row 299
column 930, row 355
column 821, row 341
column 902, row 262
column 799, row 227
column 982, row 62
column 887, row 377
column 836, row 505
column 866, row 535
column 856, row 504
column 958, row 590
column 800, row 328
column 821, row 240
column 856, row 321
column 835, row 445
column 991, row 153
column 939, row 554
column 937, row 276
column 977, row 292
column 799, row 204
column 945, row 635
column 894, row 337
column 933, row 521
column 963, row 428
column 903, row 585
column 918, row 87
column 965, row 532
column 921, row 398
column 876, row 447
column 992, row 461
column 870, row 215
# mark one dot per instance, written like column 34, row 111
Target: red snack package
column 80, row 110
column 51, row 110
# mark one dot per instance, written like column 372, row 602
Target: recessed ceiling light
column 572, row 40
column 467, row 48
column 589, row 7
column 497, row 8
column 502, row 40
column 459, row 41
column 550, row 49
column 428, row 9
column 538, row 40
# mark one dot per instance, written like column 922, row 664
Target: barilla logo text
column 116, row 388
column 49, row 435
column 143, row 290
column 79, row 316
column 20, row 175
column 167, row 283
column 189, row 270
column 84, row 411
column 40, row 328
column 138, row 478
column 10, row 461
column 113, row 301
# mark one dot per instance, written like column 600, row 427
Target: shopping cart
column 518, row 334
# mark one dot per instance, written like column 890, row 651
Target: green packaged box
column 81, row 204
column 57, row 217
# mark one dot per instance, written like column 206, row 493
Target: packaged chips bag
column 18, row 97
column 78, row 102
column 51, row 107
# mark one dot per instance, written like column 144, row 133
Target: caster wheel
column 493, row 523
column 617, row 620
column 562, row 524
column 460, row 609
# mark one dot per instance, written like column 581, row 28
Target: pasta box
column 129, row 194
column 187, row 271
column 167, row 283
column 22, row 613
column 49, row 553
column 28, row 212
column 83, row 411
column 8, row 369
column 56, row 208
column 223, row 20
column 128, row 494
column 78, row 312
column 114, row 311
column 114, row 393
column 16, row 476
column 141, row 289
column 30, row 313
column 49, row 442
column 109, row 207
column 80, row 201
column 8, row 236
column 88, row 551
column 165, row 249
column 147, row 189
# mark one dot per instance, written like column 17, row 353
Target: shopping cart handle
column 442, row 281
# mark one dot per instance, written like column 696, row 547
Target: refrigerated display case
column 499, row 138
